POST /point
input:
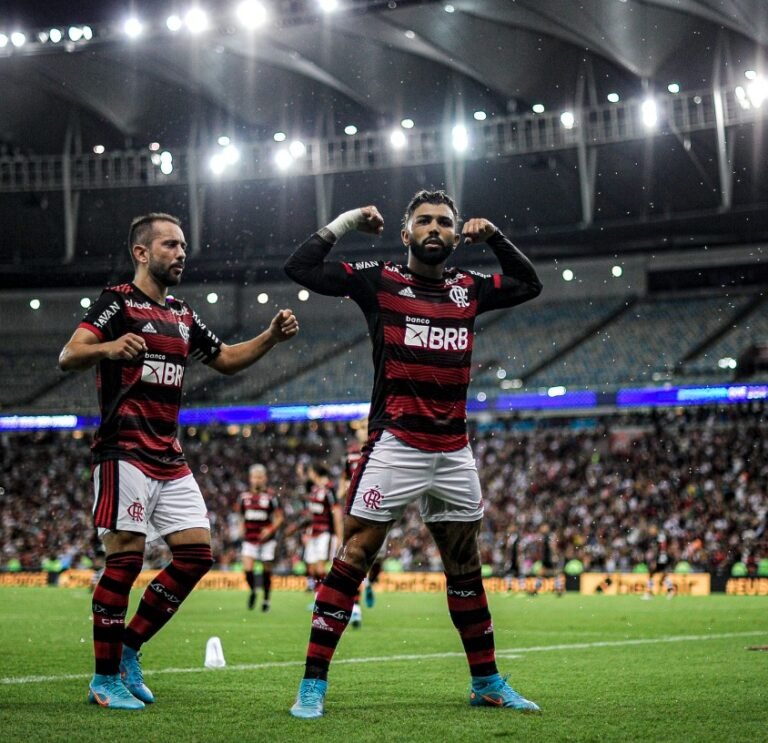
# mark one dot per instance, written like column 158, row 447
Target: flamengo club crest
column 184, row 331
column 136, row 511
column 372, row 498
column 458, row 295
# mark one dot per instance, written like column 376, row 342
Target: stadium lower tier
column 616, row 493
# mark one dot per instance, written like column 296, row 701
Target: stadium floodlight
column 231, row 154
column 196, row 20
column 154, row 146
column 155, row 158
column 75, row 33
column 501, row 373
column 174, row 23
column 303, row 295
column 42, row 36
column 750, row 74
column 398, row 139
column 567, row 275
column 18, row 39
column 673, row 87
column 223, row 140
column 212, row 298
column 538, row 108
column 133, row 27
column 328, row 6
column 757, row 91
column 448, row 8
column 262, row 298
column 649, row 113
column 297, row 148
column 481, row 397
column 166, row 163
column 556, row 391
column 727, row 362
column 34, row 304
column 87, row 33
column 617, row 271
column 251, row 13
column 460, row 138
column 407, row 124
column 279, row 136
column 350, row 129
column 217, row 164
column 480, row 115
column 742, row 97
column 98, row 149
column 613, row 97
column 283, row 159
column 567, row 119
column 55, row 35
column 3, row 41
column 85, row 303
column 410, row 34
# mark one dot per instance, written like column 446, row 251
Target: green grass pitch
column 602, row 668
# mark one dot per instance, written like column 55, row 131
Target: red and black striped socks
column 166, row 592
column 468, row 606
column 109, row 605
column 330, row 617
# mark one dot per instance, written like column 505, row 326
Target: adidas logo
column 148, row 328
column 320, row 623
column 407, row 292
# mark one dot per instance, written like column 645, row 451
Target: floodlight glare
column 133, row 27
column 567, row 275
column 303, row 295
column 217, row 164
column 18, row 39
column 212, row 298
column 567, row 119
column 398, row 139
column 742, row 97
column 34, row 304
column 87, row 33
column 85, row 303
column 154, row 146
column 328, row 6
column 407, row 123
column 480, row 115
column 223, row 140
column 283, row 159
column 297, row 148
column 55, row 35
column 174, row 23
column 166, row 167
column 649, row 113
column 251, row 14
column 538, row 108
column 196, row 20
column 448, row 8
column 3, row 41
column 757, row 91
column 350, row 129
column 613, row 97
column 459, row 138
column 263, row 298
column 75, row 33
column 279, row 136
column 673, row 87
column 557, row 391
column 98, row 149
column 42, row 36
column 750, row 74
column 231, row 154
column 617, row 271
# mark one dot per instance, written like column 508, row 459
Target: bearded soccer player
column 262, row 518
column 140, row 338
column 421, row 319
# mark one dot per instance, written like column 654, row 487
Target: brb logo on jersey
column 419, row 333
column 157, row 371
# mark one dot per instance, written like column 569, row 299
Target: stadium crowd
column 655, row 488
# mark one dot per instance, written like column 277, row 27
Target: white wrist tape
column 345, row 222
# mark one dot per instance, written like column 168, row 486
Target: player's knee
column 194, row 560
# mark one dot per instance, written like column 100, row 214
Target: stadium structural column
column 724, row 145
column 72, row 145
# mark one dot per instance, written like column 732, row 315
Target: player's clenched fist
column 477, row 230
column 284, row 325
column 127, row 346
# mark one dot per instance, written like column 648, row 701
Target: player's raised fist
column 371, row 221
column 477, row 230
column 284, row 325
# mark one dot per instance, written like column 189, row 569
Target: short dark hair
column 429, row 197
column 141, row 228
column 321, row 469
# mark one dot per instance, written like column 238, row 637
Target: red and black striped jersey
column 354, row 453
column 139, row 399
column 258, row 510
column 422, row 331
column 320, row 503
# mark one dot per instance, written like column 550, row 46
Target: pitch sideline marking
column 500, row 652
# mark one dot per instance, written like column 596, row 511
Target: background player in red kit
column 262, row 518
column 421, row 320
column 140, row 339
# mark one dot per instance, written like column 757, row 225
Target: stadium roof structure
column 580, row 127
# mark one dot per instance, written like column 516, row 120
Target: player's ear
column 405, row 236
column 140, row 253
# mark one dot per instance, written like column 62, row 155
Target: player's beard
column 164, row 276
column 433, row 256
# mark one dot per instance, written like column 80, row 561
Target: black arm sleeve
column 517, row 283
column 307, row 266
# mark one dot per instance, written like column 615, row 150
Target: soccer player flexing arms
column 421, row 319
column 140, row 339
column 262, row 519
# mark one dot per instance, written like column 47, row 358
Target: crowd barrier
column 608, row 584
